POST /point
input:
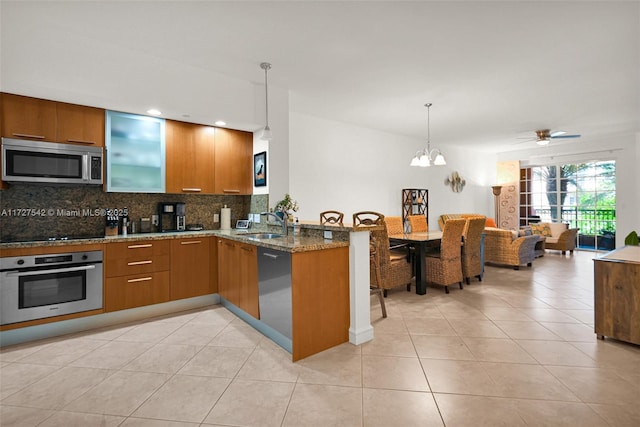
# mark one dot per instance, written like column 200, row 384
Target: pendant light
column 425, row 158
column 266, row 132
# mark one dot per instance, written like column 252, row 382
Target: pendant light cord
column 266, row 67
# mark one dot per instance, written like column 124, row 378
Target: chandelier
column 428, row 157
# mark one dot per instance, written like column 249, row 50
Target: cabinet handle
column 192, row 190
column 142, row 279
column 140, row 262
column 230, row 191
column 148, row 245
column 26, row 135
column 192, row 242
column 80, row 141
column 246, row 249
column 267, row 254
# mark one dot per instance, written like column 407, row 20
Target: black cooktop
column 24, row 239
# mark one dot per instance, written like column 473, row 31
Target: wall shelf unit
column 415, row 201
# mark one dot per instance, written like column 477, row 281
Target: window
column 582, row 194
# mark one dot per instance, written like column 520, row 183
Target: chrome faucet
column 282, row 221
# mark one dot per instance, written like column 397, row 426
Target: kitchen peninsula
column 183, row 270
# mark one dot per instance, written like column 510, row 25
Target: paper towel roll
column 225, row 218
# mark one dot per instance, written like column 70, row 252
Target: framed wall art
column 260, row 169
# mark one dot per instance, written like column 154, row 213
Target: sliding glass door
column 581, row 194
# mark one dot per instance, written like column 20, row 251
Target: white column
column 360, row 330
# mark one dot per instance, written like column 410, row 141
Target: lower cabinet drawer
column 138, row 265
column 136, row 290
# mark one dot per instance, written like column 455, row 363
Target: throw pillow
column 489, row 222
column 542, row 229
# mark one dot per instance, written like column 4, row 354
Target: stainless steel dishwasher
column 274, row 288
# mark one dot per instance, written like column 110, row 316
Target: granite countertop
column 288, row 243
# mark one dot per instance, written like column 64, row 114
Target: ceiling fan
column 544, row 136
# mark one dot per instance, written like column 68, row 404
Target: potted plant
column 632, row 239
column 287, row 206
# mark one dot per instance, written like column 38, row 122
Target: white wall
column 335, row 165
column 624, row 149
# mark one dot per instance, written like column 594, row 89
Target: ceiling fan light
column 542, row 142
column 424, row 161
column 557, row 133
column 439, row 160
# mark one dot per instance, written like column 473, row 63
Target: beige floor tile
column 17, row 416
column 558, row 414
column 16, row 376
column 420, row 311
column 77, row 419
column 429, row 326
column 112, row 355
column 194, row 334
column 527, row 382
column 390, row 345
column 565, row 303
column 152, row 332
column 269, row 364
column 342, row 368
column 612, row 354
column 237, row 335
column 584, row 316
column 398, row 373
column 556, row 353
column 476, row 328
column 389, row 326
column 618, row 415
column 14, row 353
column 63, row 352
column 252, row 403
column 163, row 358
column 184, row 398
column 459, row 377
column 435, row 347
column 120, row 394
column 59, row 388
column 524, row 301
column 571, row 331
column 478, row 411
column 145, row 422
column 505, row 313
column 467, row 312
column 549, row 315
column 108, row 333
column 384, row 408
column 217, row 362
column 216, row 315
column 526, row 330
column 322, row 405
column 497, row 350
column 597, row 385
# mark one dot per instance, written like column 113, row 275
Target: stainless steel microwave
column 50, row 162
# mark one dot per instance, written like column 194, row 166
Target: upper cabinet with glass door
column 135, row 153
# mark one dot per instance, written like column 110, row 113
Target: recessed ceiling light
column 154, row 112
column 220, row 123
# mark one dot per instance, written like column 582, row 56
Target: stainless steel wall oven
column 39, row 286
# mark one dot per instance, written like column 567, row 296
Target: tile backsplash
column 35, row 211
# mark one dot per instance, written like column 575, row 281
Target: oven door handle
column 57, row 270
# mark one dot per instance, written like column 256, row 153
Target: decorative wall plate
column 456, row 182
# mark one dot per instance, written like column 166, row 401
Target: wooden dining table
column 420, row 242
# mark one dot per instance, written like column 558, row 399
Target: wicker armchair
column 445, row 267
column 500, row 247
column 418, row 223
column 471, row 249
column 386, row 272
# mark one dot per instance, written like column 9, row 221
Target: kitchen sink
column 263, row 235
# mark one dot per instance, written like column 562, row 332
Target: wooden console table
column 617, row 294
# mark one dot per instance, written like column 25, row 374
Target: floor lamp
column 497, row 189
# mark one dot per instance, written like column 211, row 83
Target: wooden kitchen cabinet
column 238, row 275
column 24, row 117
column 137, row 274
column 37, row 119
column 233, row 162
column 617, row 294
column 190, row 267
column 77, row 124
column 190, row 151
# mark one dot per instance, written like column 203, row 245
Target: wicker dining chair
column 331, row 217
column 386, row 272
column 394, row 224
column 444, row 268
column 418, row 223
column 471, row 248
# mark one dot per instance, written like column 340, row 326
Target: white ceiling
column 494, row 71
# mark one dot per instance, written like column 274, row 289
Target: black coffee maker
column 171, row 217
